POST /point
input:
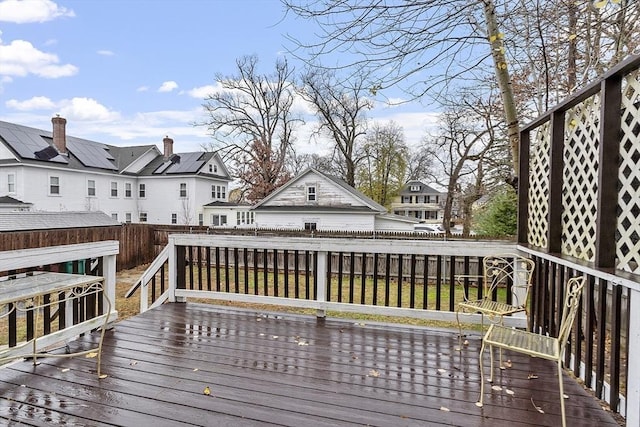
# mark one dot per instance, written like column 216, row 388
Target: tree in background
column 382, row 172
column 251, row 121
column 499, row 216
column 340, row 107
column 432, row 47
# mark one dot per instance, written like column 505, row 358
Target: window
column 213, row 191
column 127, row 217
column 210, row 168
column 218, row 220
column 217, row 191
column 174, row 218
column 310, row 226
column 224, row 192
column 243, row 218
column 54, row 185
column 114, row 189
column 415, row 188
column 238, row 218
column 406, row 199
column 183, row 189
column 142, row 191
column 250, row 217
column 91, row 188
column 311, row 193
column 11, row 183
column 114, row 216
column 200, row 219
column 143, row 217
column 127, row 189
column 213, row 168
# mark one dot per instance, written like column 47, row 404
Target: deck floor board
column 282, row 369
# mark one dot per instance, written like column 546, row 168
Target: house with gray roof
column 314, row 200
column 420, row 201
column 53, row 172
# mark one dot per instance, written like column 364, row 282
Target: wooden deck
column 269, row 369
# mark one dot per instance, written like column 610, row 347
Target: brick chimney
column 168, row 147
column 59, row 133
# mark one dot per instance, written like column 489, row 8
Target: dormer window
column 414, row 188
column 213, row 168
column 311, row 193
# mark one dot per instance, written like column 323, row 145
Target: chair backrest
column 504, row 269
column 570, row 308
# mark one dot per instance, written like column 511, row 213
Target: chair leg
column 561, row 387
column 481, row 374
column 459, row 329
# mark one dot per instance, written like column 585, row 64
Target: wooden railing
column 388, row 277
column 69, row 318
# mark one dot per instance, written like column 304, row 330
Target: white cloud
column 142, row 89
column 85, row 109
column 35, row 103
column 20, row 58
column 51, row 42
column 21, row 12
column 202, row 92
column 168, row 86
column 105, row 53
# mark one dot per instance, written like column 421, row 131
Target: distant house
column 228, row 214
column 314, row 200
column 54, row 172
column 419, row 201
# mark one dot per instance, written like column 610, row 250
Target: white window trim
column 308, row 193
column 111, row 196
column 186, row 190
column 95, row 190
column 14, row 183
column 59, row 193
column 144, row 185
column 130, row 184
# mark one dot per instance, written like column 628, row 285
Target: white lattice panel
column 580, row 179
column 628, row 229
column 537, row 221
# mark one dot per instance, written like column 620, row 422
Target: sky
column 130, row 72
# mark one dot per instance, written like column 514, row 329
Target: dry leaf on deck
column 103, row 376
column 374, row 373
column 539, row 409
column 508, row 391
column 207, row 391
column 496, row 388
column 91, row 355
column 445, row 409
column 65, row 370
column 532, row 377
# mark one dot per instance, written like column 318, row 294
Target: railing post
column 109, row 274
column 172, row 257
column 321, row 285
column 633, row 375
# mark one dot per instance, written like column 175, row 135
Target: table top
column 41, row 283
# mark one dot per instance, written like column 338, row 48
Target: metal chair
column 536, row 345
column 499, row 271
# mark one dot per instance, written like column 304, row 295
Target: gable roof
column 25, row 221
column 366, row 201
column 35, row 146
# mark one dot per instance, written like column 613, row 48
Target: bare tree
column 251, row 121
column 429, row 47
column 340, row 107
column 383, row 168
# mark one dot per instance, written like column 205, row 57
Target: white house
column 420, row 201
column 314, row 200
column 55, row 172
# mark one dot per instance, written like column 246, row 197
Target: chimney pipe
column 59, row 133
column 168, row 147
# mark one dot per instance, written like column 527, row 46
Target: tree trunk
column 504, row 82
